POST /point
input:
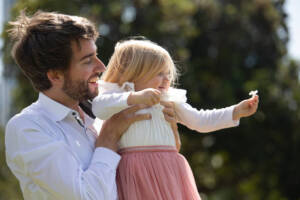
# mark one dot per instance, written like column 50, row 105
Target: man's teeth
column 94, row 80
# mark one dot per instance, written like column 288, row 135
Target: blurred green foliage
column 224, row 48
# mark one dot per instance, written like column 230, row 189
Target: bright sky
column 1, row 26
column 293, row 10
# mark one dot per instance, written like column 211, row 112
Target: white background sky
column 1, row 26
column 293, row 11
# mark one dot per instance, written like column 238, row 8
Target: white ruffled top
column 112, row 99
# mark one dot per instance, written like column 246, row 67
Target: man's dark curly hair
column 43, row 42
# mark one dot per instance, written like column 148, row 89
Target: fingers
column 155, row 98
column 167, row 104
column 130, row 113
column 169, row 111
column 157, row 92
column 254, row 101
column 255, row 98
column 152, row 96
column 157, row 95
column 114, row 127
column 170, row 116
column 135, row 108
column 170, row 119
column 140, row 117
column 252, row 105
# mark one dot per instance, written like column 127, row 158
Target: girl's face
column 160, row 82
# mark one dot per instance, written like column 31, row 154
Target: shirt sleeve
column 205, row 120
column 48, row 165
column 108, row 104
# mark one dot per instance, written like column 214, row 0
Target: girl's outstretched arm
column 215, row 119
column 245, row 108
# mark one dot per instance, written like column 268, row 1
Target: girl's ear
column 56, row 77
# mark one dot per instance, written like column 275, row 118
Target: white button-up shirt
column 52, row 153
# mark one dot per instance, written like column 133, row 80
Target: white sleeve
column 52, row 168
column 108, row 104
column 205, row 120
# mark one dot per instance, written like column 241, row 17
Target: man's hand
column 147, row 96
column 170, row 116
column 113, row 128
column 245, row 108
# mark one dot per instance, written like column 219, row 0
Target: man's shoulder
column 31, row 114
column 29, row 110
column 33, row 118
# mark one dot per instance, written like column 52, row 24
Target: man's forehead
column 79, row 44
column 82, row 47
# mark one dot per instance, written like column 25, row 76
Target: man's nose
column 100, row 66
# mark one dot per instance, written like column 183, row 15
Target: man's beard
column 77, row 90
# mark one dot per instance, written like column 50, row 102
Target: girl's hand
column 147, row 96
column 245, row 108
column 170, row 116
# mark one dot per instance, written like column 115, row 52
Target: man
column 53, row 147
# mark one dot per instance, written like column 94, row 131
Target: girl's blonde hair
column 138, row 60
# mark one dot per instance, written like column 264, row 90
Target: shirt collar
column 56, row 110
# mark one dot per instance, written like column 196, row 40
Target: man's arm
column 51, row 167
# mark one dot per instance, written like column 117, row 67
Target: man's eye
column 88, row 61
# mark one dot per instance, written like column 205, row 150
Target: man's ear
column 56, row 77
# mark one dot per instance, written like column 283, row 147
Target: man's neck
column 63, row 99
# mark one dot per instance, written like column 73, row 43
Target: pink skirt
column 155, row 173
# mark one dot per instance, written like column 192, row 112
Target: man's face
column 80, row 80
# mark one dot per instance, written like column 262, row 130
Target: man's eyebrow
column 86, row 56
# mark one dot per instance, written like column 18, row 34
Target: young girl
column 141, row 72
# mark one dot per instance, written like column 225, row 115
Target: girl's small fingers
column 253, row 101
column 170, row 106
column 154, row 95
column 169, row 112
column 166, row 103
column 157, row 99
column 170, row 119
column 153, row 101
column 253, row 98
column 157, row 92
